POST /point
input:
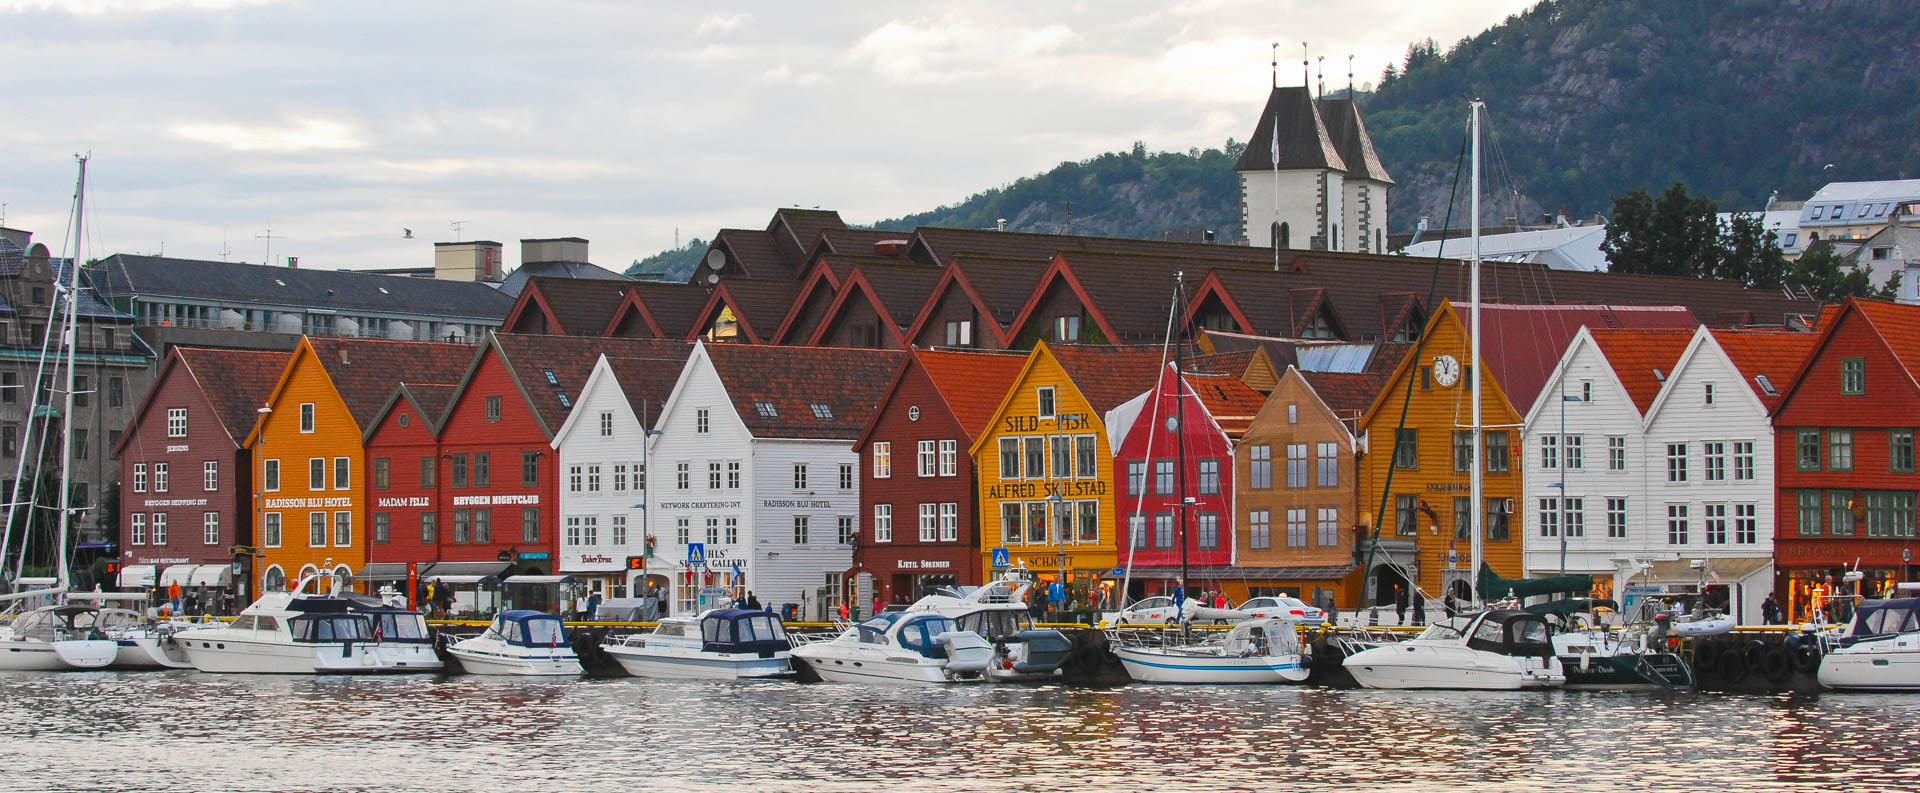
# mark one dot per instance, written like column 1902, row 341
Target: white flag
column 1276, row 141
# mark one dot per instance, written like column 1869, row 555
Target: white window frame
column 883, row 523
column 176, row 422
column 883, row 459
column 925, row 459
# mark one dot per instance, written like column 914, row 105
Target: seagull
column 407, row 234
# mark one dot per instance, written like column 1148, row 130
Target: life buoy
column 1777, row 664
column 1806, row 658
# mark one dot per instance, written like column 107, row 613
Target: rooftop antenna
column 1320, row 70
column 457, row 226
column 1306, row 80
column 3, row 213
column 269, row 236
column 1276, row 64
column 1069, row 218
column 224, row 250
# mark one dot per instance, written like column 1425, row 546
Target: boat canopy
column 337, row 627
column 523, row 628
column 1874, row 618
column 920, row 633
column 1510, row 632
column 1493, row 587
column 742, row 631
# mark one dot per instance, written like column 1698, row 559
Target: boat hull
column 211, row 652
column 1627, row 672
column 408, row 657
column 1403, row 667
column 1151, row 666
column 1892, row 665
column 667, row 664
column 58, row 656
column 495, row 661
column 150, row 652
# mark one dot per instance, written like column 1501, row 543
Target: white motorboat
column 1492, row 650
column 291, row 633
column 899, row 647
column 146, row 643
column 519, row 643
column 1253, row 651
column 56, row 638
column 998, row 613
column 400, row 635
column 722, row 644
column 1878, row 651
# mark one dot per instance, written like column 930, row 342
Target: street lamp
column 259, row 497
column 647, row 434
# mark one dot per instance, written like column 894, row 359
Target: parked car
column 1282, row 606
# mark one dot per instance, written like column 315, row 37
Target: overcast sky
column 339, row 123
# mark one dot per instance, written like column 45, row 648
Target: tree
column 1827, row 277
column 1686, row 234
column 1750, row 253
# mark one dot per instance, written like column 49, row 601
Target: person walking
column 1770, row 611
column 878, row 605
column 1450, row 606
column 1400, row 605
column 1419, row 607
column 1220, row 600
column 173, row 597
column 753, row 601
column 593, row 606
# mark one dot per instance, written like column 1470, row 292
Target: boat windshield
column 331, row 628
column 545, row 632
column 760, row 629
column 1440, row 632
column 996, row 623
column 401, row 626
column 1886, row 619
column 919, row 635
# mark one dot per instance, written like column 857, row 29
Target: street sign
column 1001, row 559
column 1118, row 572
column 1453, row 558
column 696, row 553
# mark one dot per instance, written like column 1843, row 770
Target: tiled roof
column 1350, row 136
column 1636, row 353
column 432, row 398
column 1899, row 324
column 847, row 383
column 516, row 281
column 1002, row 283
column 1133, row 293
column 861, row 241
column 1521, row 344
column 1231, row 363
column 1304, row 142
column 583, row 306
column 1347, row 395
column 676, row 307
column 972, row 383
column 236, row 382
column 1774, row 355
column 755, row 252
column 242, row 284
column 806, row 224
column 898, row 288
column 554, row 369
column 761, row 303
column 1232, row 404
column 1108, row 375
column 647, row 376
column 365, row 371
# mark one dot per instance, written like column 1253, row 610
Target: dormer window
column 1818, row 212
column 1319, row 327
column 1066, row 329
column 765, row 409
column 821, row 412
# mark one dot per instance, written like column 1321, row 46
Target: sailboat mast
column 1476, row 476
column 66, row 414
column 1180, row 425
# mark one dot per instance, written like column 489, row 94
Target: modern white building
column 1661, row 476
column 753, row 485
column 1562, row 248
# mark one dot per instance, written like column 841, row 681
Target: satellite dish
column 716, row 259
column 713, row 278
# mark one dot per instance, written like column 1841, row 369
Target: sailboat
column 1496, row 649
column 58, row 636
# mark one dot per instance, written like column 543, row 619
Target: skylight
column 822, row 411
column 765, row 409
column 1766, row 386
column 565, row 402
column 551, row 380
column 1659, row 376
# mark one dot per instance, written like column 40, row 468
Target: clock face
column 1446, row 370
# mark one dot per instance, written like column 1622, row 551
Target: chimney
column 343, row 355
column 557, row 249
column 1001, row 224
column 293, row 262
column 479, row 260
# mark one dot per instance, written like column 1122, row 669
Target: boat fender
column 1806, row 658
column 1586, row 660
column 1777, row 664
column 1705, row 653
column 1730, row 665
column 1756, row 656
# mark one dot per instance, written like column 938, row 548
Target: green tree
column 1686, row 234
column 1629, row 244
column 1750, row 253
column 1824, row 275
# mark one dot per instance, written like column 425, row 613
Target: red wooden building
column 919, row 500
column 184, row 471
column 1844, row 449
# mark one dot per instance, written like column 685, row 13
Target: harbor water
column 182, row 731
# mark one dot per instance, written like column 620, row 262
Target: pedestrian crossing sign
column 1001, row 559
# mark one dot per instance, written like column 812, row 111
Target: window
column 483, row 474
column 799, row 530
column 799, row 476
column 683, row 531
column 530, row 525
column 616, row 529
column 960, row 333
column 1163, row 530
column 382, row 523
column 342, row 473
column 1066, row 328
column 483, row 525
column 159, row 528
column 1296, row 527
column 1853, row 376
column 1328, row 469
column 459, row 470
column 493, row 408
column 427, row 528
column 1807, row 511
column 1900, row 451
column 1839, row 450
column 1497, row 452
column 1586, row 392
column 1890, row 514
column 1549, row 517
column 1575, row 447
column 1462, row 518
column 1463, row 450
column 1089, row 521
column 1062, row 455
column 732, row 529
column 1676, row 462
column 1044, row 396
column 1293, row 414
column 639, row 477
column 1329, row 526
column 883, row 523
column 576, row 478
column 1406, row 516
column 1009, row 522
column 210, row 528
column 1807, row 450
column 210, row 475
column 1715, row 522
column 1713, row 459
column 1036, row 523
column 10, row 388
column 317, row 529
column 1819, row 212
column 1405, row 453
column 845, row 524
column 1085, row 464
column 683, row 476
column 1009, row 458
column 883, row 458
column 713, row 475
column 929, row 521
column 713, row 531
column 1259, row 531
column 1616, row 453
column 1259, row 468
column 306, row 417
column 593, row 475
column 176, row 422
column 529, row 469
column 116, row 392
column 1549, row 452
column 733, row 474
column 846, row 476
column 765, row 409
column 1498, row 512
column 1745, row 527
column 1209, row 530
column 429, row 471
column 606, row 423
column 702, row 421
column 1743, row 460
column 1616, row 518
column 1210, row 477
column 343, row 528
column 137, row 529
column 927, row 465
column 10, row 440
column 159, row 477
column 139, row 478
column 573, row 530
column 270, row 471
column 1677, row 524
column 1296, row 465
column 1035, row 451
column 80, row 446
column 822, row 412
column 1163, row 477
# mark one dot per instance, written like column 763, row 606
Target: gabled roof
column 817, row 288
column 1108, row 375
column 790, row 381
column 1304, row 142
column 895, row 291
column 1348, row 395
column 550, row 371
column 803, row 226
column 1772, row 355
column 123, row 275
column 647, row 377
column 970, row 385
column 364, row 372
column 430, row 400
column 572, row 306
column 1350, row 136
column 665, row 310
column 1231, row 403
column 757, row 303
column 753, row 251
column 1643, row 359
column 236, row 384
column 516, row 282
column 1522, row 344
column 1896, row 324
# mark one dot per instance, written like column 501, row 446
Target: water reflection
column 186, row 731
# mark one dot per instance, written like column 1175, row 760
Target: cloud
column 722, row 24
column 304, row 135
column 784, row 73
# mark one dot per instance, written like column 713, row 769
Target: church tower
column 1327, row 190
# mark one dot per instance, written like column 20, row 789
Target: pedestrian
column 877, row 606
column 173, row 596
column 1770, row 611
column 1419, row 607
column 1450, row 606
column 1220, row 600
column 753, row 601
column 593, row 606
column 1400, row 605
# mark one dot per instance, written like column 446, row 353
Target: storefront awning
column 542, row 579
column 444, row 569
column 138, row 575
column 177, row 574
column 212, row 575
column 382, row 571
column 1681, row 570
column 460, row 579
column 1223, row 572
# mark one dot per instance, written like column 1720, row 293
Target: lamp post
column 647, row 434
column 259, row 498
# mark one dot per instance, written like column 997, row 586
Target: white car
column 1283, row 607
column 1151, row 611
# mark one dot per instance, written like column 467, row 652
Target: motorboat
column 146, row 643
column 1252, row 651
column 899, row 647
column 1502, row 649
column 56, row 638
column 722, row 644
column 291, row 633
column 519, row 643
column 1878, row 651
column 998, row 613
column 400, row 635
column 1598, row 657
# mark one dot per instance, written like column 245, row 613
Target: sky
column 339, row 124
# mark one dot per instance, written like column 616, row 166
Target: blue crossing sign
column 1001, row 559
column 696, row 553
